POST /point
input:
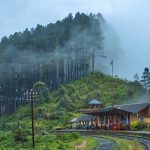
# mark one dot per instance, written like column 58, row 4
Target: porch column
column 92, row 121
column 105, row 117
column 119, row 120
column 127, row 119
column 113, row 119
column 109, row 121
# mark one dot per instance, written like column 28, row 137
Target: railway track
column 144, row 141
column 104, row 142
column 107, row 144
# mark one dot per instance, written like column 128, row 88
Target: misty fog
column 130, row 20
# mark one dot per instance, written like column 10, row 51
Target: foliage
column 95, row 85
column 68, row 137
column 42, row 90
column 146, row 78
column 49, row 141
column 136, row 77
column 20, row 135
column 40, row 87
column 137, row 125
column 59, row 127
column 51, row 115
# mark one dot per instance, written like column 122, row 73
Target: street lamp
column 32, row 96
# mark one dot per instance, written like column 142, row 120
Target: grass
column 125, row 144
column 146, row 129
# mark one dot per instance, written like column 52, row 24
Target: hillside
column 71, row 97
column 58, row 107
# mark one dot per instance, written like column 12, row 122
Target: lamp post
column 32, row 96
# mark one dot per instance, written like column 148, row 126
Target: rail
column 143, row 138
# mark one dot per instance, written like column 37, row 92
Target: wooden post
column 120, row 121
column 113, row 119
column 31, row 96
column 127, row 120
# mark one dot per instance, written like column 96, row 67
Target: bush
column 46, row 139
column 137, row 125
column 68, row 137
column 3, row 136
column 64, row 137
column 68, row 126
column 20, row 135
column 75, row 135
column 59, row 127
column 80, row 126
column 61, row 146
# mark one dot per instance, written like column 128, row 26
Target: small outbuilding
column 74, row 123
column 86, row 119
column 83, row 121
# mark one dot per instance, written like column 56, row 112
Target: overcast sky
column 130, row 18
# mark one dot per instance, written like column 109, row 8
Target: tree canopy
column 54, row 54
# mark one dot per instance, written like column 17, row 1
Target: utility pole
column 31, row 96
column 112, row 65
column 93, row 60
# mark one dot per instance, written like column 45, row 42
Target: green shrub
column 137, row 125
column 68, row 126
column 46, row 138
column 64, row 137
column 61, row 146
column 3, row 136
column 75, row 135
column 68, row 137
column 80, row 126
column 20, row 135
column 59, row 127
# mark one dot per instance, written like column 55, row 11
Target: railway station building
column 116, row 117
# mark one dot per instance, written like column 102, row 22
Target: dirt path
column 81, row 146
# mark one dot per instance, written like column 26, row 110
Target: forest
column 54, row 54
